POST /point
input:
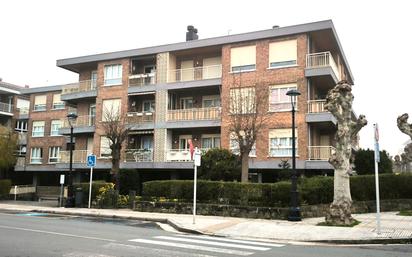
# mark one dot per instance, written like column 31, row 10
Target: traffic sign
column 91, row 160
column 197, row 157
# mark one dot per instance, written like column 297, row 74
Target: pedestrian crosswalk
column 208, row 244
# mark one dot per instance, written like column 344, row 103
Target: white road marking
column 86, row 254
column 192, row 247
column 234, row 240
column 158, row 252
column 56, row 233
column 204, row 242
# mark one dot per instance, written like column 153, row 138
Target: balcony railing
column 139, row 117
column 79, row 156
column 197, row 73
column 5, row 107
column 81, row 86
column 323, row 59
column 143, row 79
column 210, row 113
column 178, row 155
column 316, row 106
column 20, row 161
column 139, row 155
column 320, row 153
column 81, row 121
column 23, row 110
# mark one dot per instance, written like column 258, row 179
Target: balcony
column 144, row 79
column 194, row 117
column 83, row 124
column 178, row 155
column 318, row 113
column 79, row 156
column 79, row 90
column 6, row 109
column 138, row 155
column 197, row 73
column 318, row 64
column 320, row 153
column 139, row 117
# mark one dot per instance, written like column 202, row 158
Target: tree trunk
column 116, row 168
column 340, row 209
column 245, row 168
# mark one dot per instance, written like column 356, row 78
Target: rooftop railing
column 196, row 73
column 323, row 59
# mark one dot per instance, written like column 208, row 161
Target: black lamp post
column 71, row 117
column 294, row 212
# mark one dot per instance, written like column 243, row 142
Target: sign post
column 61, row 189
column 377, row 160
column 196, row 157
column 91, row 162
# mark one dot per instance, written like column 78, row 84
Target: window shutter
column 283, row 51
column 56, row 98
column 241, row 56
column 40, row 99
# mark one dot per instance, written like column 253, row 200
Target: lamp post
column 294, row 211
column 71, row 118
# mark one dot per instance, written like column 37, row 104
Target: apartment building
column 171, row 93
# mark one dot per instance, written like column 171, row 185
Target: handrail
column 196, row 73
column 322, row 59
column 316, row 106
column 209, row 113
column 81, row 121
column 81, row 86
column 322, row 153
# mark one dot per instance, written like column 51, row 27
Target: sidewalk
column 394, row 228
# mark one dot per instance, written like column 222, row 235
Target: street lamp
column 71, row 118
column 294, row 211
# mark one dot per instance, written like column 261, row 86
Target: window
column 278, row 100
column 57, row 103
column 55, row 126
column 36, row 155
column 243, row 58
column 54, row 154
column 111, row 109
column 211, row 101
column 22, row 150
column 23, row 106
column 283, row 54
column 210, row 141
column 21, row 125
column 186, row 103
column 105, row 150
column 93, row 79
column 280, row 142
column 242, row 100
column 113, row 74
column 40, row 102
column 148, row 106
column 38, row 129
column 234, row 147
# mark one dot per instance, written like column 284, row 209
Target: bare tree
column 339, row 103
column 116, row 132
column 248, row 112
column 406, row 128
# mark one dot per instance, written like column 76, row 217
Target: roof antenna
column 228, row 31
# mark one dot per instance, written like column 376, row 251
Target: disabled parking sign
column 91, row 161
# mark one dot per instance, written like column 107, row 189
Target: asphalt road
column 42, row 235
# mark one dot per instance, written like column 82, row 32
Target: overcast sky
column 375, row 35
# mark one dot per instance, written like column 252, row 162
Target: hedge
column 5, row 185
column 315, row 190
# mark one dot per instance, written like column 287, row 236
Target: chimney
column 275, row 26
column 191, row 33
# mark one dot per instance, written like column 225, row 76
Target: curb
column 181, row 228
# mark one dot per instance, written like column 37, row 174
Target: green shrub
column 5, row 185
column 220, row 164
column 96, row 185
column 129, row 180
column 220, row 192
column 365, row 162
column 317, row 190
